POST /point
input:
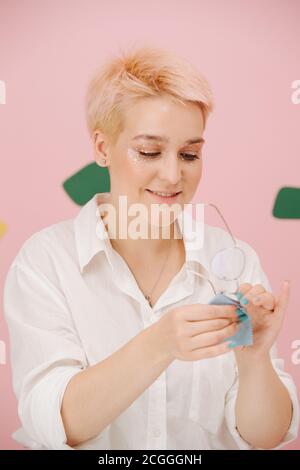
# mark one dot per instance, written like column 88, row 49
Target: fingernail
column 244, row 301
column 243, row 318
column 239, row 295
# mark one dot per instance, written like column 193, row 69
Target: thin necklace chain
column 148, row 297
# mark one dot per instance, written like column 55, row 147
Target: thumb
column 284, row 295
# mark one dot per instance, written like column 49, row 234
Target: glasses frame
column 222, row 250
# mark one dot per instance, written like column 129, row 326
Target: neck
column 159, row 239
column 141, row 248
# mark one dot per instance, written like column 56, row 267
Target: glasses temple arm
column 226, row 225
column 205, row 278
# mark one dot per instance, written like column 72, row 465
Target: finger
column 203, row 326
column 265, row 300
column 251, row 293
column 208, row 312
column 243, row 289
column 211, row 351
column 283, row 298
column 212, row 338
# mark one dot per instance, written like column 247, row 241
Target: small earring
column 103, row 161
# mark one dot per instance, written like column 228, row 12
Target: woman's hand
column 197, row 331
column 266, row 314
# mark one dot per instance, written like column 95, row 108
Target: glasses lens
column 228, row 264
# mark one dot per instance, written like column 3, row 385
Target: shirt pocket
column 211, row 379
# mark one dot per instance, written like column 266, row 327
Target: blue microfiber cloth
column 244, row 335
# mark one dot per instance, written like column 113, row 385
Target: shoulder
column 46, row 245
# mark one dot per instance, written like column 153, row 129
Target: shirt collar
column 89, row 235
column 86, row 225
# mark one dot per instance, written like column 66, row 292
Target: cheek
column 193, row 174
column 134, row 164
column 139, row 169
column 132, row 158
column 128, row 167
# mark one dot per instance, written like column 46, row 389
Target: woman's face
column 174, row 162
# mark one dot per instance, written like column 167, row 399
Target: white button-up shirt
column 70, row 301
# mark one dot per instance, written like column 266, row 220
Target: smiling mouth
column 164, row 194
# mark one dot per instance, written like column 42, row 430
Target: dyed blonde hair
column 139, row 73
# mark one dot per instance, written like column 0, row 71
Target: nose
column 170, row 169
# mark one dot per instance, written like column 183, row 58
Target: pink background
column 248, row 50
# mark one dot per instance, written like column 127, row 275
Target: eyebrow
column 159, row 138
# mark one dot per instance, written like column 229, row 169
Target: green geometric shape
column 85, row 183
column 287, row 203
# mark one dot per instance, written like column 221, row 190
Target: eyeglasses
column 227, row 264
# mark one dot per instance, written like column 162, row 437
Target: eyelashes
column 190, row 157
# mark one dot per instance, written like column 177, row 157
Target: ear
column 101, row 154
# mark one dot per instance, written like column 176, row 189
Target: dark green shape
column 287, row 204
column 87, row 182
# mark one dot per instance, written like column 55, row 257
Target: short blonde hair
column 139, row 73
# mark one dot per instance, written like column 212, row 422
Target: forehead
column 158, row 119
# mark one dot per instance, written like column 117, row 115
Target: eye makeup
column 142, row 153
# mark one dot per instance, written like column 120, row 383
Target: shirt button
column 157, row 432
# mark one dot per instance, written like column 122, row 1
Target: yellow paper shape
column 3, row 228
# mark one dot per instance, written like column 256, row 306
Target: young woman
column 114, row 344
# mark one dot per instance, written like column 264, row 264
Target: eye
column 185, row 156
column 190, row 157
column 150, row 155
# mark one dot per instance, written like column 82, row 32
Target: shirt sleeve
column 254, row 274
column 45, row 352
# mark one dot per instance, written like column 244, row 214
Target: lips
column 164, row 195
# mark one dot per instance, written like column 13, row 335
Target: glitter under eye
column 133, row 155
